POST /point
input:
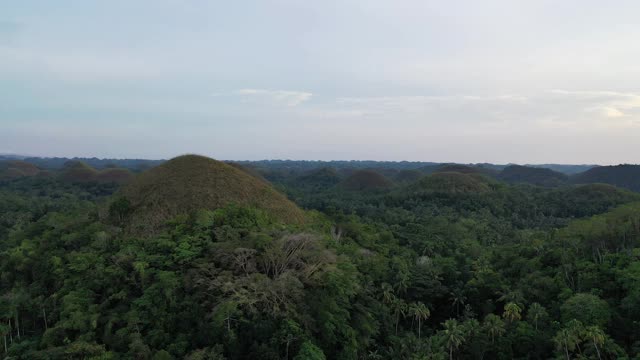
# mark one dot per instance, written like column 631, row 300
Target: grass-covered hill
column 13, row 169
column 465, row 169
column 247, row 168
column 452, row 183
column 532, row 175
column 80, row 172
column 191, row 182
column 363, row 180
column 624, row 176
column 408, row 176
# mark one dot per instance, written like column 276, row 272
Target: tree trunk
column 287, row 351
column 5, row 343
column 450, row 352
column 397, row 322
column 419, row 327
column 44, row 315
column 566, row 349
column 597, row 350
column 17, row 326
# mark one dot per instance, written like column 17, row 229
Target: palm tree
column 494, row 326
column 399, row 308
column 453, row 334
column 597, row 336
column 578, row 332
column 536, row 313
column 388, row 297
column 512, row 296
column 420, row 312
column 567, row 339
column 512, row 312
column 4, row 330
column 457, row 299
column 402, row 283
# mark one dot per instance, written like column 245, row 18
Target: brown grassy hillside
column 15, row 169
column 80, row 172
column 191, row 182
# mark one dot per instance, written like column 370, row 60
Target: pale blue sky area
column 466, row 81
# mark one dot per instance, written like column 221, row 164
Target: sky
column 497, row 81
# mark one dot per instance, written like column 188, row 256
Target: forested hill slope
column 362, row 180
column 189, row 183
column 451, row 266
column 532, row 175
column 624, row 176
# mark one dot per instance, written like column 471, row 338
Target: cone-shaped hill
column 465, row 169
column 116, row 175
column 591, row 193
column 363, row 180
column 79, row 172
column 247, row 169
column 16, row 169
column 532, row 175
column 624, row 176
column 191, row 182
column 408, row 176
column 452, row 183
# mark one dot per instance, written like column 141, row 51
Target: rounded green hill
column 366, row 180
column 464, row 169
column 116, row 175
column 191, row 182
column 408, row 176
column 453, row 183
column 78, row 171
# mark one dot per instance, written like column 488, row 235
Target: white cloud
column 553, row 110
column 611, row 102
column 286, row 97
column 610, row 112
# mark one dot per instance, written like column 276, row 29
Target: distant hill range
column 56, row 163
column 624, row 176
column 343, row 173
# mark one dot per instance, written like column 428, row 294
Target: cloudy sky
column 466, row 81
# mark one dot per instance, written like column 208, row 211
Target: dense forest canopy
column 364, row 260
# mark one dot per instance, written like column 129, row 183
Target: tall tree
column 453, row 334
column 420, row 312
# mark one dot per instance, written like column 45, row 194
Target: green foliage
column 308, row 351
column 586, row 308
column 453, row 266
